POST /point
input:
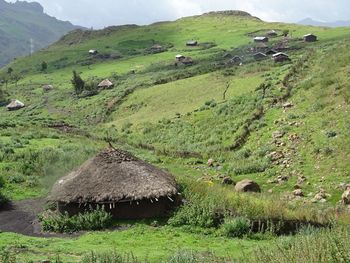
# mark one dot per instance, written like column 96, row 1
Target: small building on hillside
column 192, row 43
column 122, row 184
column 105, row 84
column 179, row 57
column 93, row 52
column 310, row 38
column 157, row 48
column 261, row 39
column 259, row 56
column 15, row 105
column 272, row 33
column 280, row 57
column 47, row 88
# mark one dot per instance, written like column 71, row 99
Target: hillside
column 22, row 21
column 311, row 22
column 282, row 124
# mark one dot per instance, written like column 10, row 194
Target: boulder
column 247, row 186
column 211, row 162
column 298, row 193
column 277, row 134
column 345, row 198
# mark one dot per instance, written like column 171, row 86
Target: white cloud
column 115, row 12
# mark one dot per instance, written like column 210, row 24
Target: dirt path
column 21, row 218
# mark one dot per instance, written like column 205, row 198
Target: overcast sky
column 102, row 13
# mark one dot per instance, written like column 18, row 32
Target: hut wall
column 125, row 210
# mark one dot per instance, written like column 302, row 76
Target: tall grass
column 322, row 246
column 95, row 220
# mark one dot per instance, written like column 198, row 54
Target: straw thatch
column 105, row 84
column 114, row 176
column 15, row 105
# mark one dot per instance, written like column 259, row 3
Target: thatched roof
column 105, row 84
column 15, row 105
column 261, row 39
column 114, row 176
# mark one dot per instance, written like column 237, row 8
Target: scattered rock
column 298, row 193
column 275, row 156
column 227, row 180
column 321, row 196
column 287, row 105
column 301, row 179
column 247, row 186
column 282, row 179
column 343, row 186
column 277, row 134
column 345, row 198
column 211, row 162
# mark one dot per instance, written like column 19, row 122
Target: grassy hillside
column 284, row 125
column 22, row 21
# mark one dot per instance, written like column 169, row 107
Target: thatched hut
column 310, row 38
column 124, row 185
column 15, row 105
column 261, row 39
column 179, row 57
column 93, row 52
column 192, row 43
column 105, row 84
column 280, row 57
column 272, row 33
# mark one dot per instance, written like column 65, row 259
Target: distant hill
column 311, row 22
column 22, row 21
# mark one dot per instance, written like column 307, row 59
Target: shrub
column 185, row 256
column 250, row 167
column 198, row 213
column 3, row 200
column 110, row 257
column 236, row 227
column 62, row 223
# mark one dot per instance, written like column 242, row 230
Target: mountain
column 220, row 118
column 311, row 22
column 23, row 24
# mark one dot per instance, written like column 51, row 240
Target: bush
column 3, row 200
column 199, row 213
column 185, row 256
column 110, row 257
column 236, row 227
column 62, row 223
column 250, row 167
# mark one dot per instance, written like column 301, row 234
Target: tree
column 43, row 66
column 16, row 77
column 78, row 83
column 4, row 79
column 9, row 70
column 285, row 32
